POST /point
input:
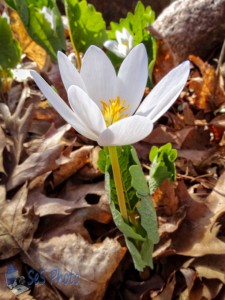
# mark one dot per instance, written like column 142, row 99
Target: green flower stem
column 118, row 181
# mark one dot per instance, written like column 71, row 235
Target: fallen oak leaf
column 17, row 225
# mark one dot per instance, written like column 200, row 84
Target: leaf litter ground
column 55, row 213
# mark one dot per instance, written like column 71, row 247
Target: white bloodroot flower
column 123, row 45
column 105, row 106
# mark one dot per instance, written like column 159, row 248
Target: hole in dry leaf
column 221, row 223
column 97, row 231
column 92, row 198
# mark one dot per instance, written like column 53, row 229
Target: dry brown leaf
column 2, row 147
column 17, row 123
column 17, row 225
column 44, row 159
column 95, row 263
column 170, row 224
column 72, row 197
column 162, row 135
column 91, row 171
column 197, row 157
column 36, row 164
column 77, row 159
column 210, row 267
column 209, row 90
column 74, row 223
column 33, row 51
column 165, row 199
column 164, row 61
column 201, row 225
column 168, row 290
column 44, row 206
column 75, row 191
column 205, row 289
column 46, row 292
column 190, row 276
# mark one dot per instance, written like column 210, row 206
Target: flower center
column 125, row 43
column 113, row 111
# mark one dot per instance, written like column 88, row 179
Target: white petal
column 126, row 131
column 123, row 50
column 61, row 107
column 130, row 42
column 132, row 77
column 69, row 74
column 86, row 109
column 98, row 74
column 119, row 36
column 111, row 45
column 126, row 33
column 165, row 93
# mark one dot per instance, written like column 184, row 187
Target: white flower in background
column 49, row 16
column 123, row 45
column 105, row 106
column 6, row 16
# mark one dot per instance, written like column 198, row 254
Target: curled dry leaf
column 189, row 276
column 210, row 267
column 168, row 290
column 91, row 171
column 95, row 263
column 77, row 159
column 17, row 225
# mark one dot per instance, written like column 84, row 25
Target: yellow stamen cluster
column 125, row 43
column 113, row 111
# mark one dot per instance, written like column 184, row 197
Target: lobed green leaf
column 87, row 26
column 163, row 165
column 10, row 51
